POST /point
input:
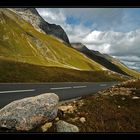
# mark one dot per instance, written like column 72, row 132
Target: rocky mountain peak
column 79, row 46
column 29, row 10
column 32, row 16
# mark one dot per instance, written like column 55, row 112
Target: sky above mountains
column 115, row 31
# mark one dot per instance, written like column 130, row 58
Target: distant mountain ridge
column 105, row 60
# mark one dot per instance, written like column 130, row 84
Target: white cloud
column 115, row 43
column 52, row 16
column 132, row 65
column 129, row 58
column 132, row 62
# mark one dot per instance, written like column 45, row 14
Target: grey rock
column 62, row 126
column 79, row 46
column 29, row 113
column 32, row 16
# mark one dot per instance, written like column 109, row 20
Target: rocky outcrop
column 32, row 16
column 79, row 46
column 28, row 113
column 62, row 126
column 67, row 109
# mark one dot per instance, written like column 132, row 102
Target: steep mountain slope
column 13, row 71
column 27, row 55
column 20, row 41
column 31, row 15
column 106, row 60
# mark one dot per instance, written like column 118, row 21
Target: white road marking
column 60, row 88
column 79, row 86
column 103, row 85
column 12, row 91
column 67, row 87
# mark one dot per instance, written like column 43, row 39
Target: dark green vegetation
column 12, row 71
column 108, row 113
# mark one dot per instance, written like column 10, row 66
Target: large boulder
column 29, row 113
column 62, row 126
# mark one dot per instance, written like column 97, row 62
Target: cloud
column 114, row 43
column 132, row 65
column 132, row 62
column 52, row 16
column 129, row 58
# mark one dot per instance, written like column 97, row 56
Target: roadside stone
column 29, row 113
column 46, row 126
column 62, row 126
column 82, row 119
column 67, row 108
column 57, row 119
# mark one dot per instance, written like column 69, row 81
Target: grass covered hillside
column 13, row 71
column 27, row 55
column 21, row 42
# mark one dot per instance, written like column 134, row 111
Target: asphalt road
column 10, row 92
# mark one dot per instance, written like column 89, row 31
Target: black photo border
column 69, row 4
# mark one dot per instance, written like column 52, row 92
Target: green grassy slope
column 13, row 71
column 21, row 42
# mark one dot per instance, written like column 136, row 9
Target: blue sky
column 117, row 19
column 115, row 31
column 72, row 20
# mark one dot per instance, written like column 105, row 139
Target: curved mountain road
column 69, row 90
